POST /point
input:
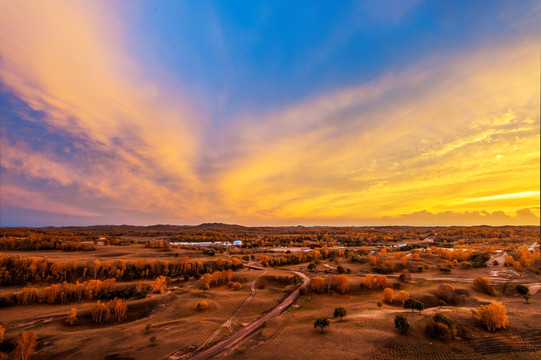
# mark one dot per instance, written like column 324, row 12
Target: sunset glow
column 190, row 112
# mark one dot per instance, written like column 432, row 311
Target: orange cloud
column 446, row 140
column 433, row 137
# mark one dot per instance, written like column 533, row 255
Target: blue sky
column 269, row 112
column 257, row 55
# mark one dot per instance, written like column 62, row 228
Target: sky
column 270, row 112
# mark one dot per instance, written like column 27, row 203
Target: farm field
column 170, row 313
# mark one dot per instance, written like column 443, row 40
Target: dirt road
column 238, row 336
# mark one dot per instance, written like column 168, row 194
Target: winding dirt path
column 229, row 321
column 241, row 334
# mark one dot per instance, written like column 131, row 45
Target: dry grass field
column 159, row 324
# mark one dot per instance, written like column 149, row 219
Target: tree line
column 18, row 270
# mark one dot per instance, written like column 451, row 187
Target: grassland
column 161, row 324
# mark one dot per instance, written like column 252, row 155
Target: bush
column 303, row 290
column 202, row 305
column 438, row 330
column 236, row 286
column 484, row 285
column 441, row 318
column 401, row 323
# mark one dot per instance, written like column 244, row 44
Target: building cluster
column 209, row 243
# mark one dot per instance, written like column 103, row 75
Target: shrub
column 303, row 290
column 152, row 340
column 441, row 318
column 202, row 305
column 401, row 323
column 438, row 330
column 148, row 325
column 380, row 304
column 446, row 292
column 405, row 276
column 236, row 286
column 484, row 285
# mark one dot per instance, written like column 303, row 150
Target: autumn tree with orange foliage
column 446, row 292
column 71, row 317
column 402, row 296
column 160, row 284
column 319, row 285
column 388, row 295
column 340, row 283
column 25, row 345
column 2, row 331
column 369, row 281
column 494, row 316
column 381, row 282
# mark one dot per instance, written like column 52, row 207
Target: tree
column 494, row 316
column 204, row 286
column 388, row 295
column 402, row 296
column 160, row 284
column 522, row 290
column 369, row 281
column 401, row 324
column 311, row 267
column 71, row 317
column 340, row 312
column 25, row 345
column 321, row 323
column 341, row 283
column 415, row 256
column 318, row 284
column 98, row 312
column 2, row 355
column 414, row 305
column 207, row 278
column 202, row 305
column 405, row 276
column 381, row 282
